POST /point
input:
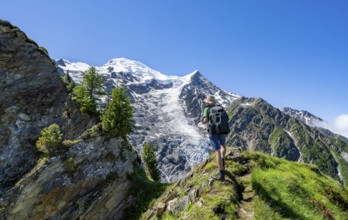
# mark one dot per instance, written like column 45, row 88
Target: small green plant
column 92, row 132
column 150, row 162
column 50, row 140
column 70, row 165
column 43, row 49
column 69, row 143
column 118, row 115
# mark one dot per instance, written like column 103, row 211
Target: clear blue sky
column 289, row 52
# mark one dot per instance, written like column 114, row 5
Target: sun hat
column 209, row 100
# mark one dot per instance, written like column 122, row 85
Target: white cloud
column 338, row 126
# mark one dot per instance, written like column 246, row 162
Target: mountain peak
column 302, row 115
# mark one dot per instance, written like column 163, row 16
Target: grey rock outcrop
column 89, row 182
column 32, row 97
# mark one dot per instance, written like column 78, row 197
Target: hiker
column 217, row 136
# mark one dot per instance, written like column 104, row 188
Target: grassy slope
column 290, row 190
column 283, row 190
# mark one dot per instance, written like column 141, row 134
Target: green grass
column 219, row 197
column 145, row 191
column 263, row 211
column 290, row 190
column 282, row 190
column 214, row 198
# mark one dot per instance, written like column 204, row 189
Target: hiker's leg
column 219, row 160
column 222, row 141
column 223, row 151
column 215, row 144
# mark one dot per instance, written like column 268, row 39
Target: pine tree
column 150, row 162
column 68, row 80
column 86, row 93
column 118, row 115
column 93, row 83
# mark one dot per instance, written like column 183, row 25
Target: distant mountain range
column 168, row 114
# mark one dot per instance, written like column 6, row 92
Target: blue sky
column 291, row 52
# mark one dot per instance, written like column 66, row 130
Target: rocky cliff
column 33, row 96
column 91, row 178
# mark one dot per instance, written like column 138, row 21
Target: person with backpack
column 217, row 119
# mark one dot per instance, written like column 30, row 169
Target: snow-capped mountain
column 304, row 116
column 313, row 121
column 167, row 110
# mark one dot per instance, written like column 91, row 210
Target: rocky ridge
column 257, row 125
column 257, row 186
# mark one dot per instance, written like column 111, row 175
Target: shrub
column 150, row 162
column 50, row 140
column 70, row 165
column 118, row 115
column 69, row 143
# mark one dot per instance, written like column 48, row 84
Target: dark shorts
column 216, row 140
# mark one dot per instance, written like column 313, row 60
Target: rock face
column 304, row 116
column 89, row 182
column 257, row 125
column 32, row 97
column 313, row 121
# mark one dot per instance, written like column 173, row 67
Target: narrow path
column 246, row 206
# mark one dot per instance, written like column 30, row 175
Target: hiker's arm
column 205, row 116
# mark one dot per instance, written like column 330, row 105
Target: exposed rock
column 344, row 155
column 160, row 208
column 97, row 189
column 32, row 97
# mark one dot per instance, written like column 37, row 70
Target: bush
column 150, row 162
column 70, row 165
column 118, row 115
column 69, row 143
column 50, row 140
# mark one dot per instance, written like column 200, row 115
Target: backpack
column 218, row 121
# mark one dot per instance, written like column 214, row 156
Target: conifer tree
column 68, row 80
column 118, row 115
column 86, row 93
column 150, row 162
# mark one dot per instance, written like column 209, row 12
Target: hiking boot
column 220, row 176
